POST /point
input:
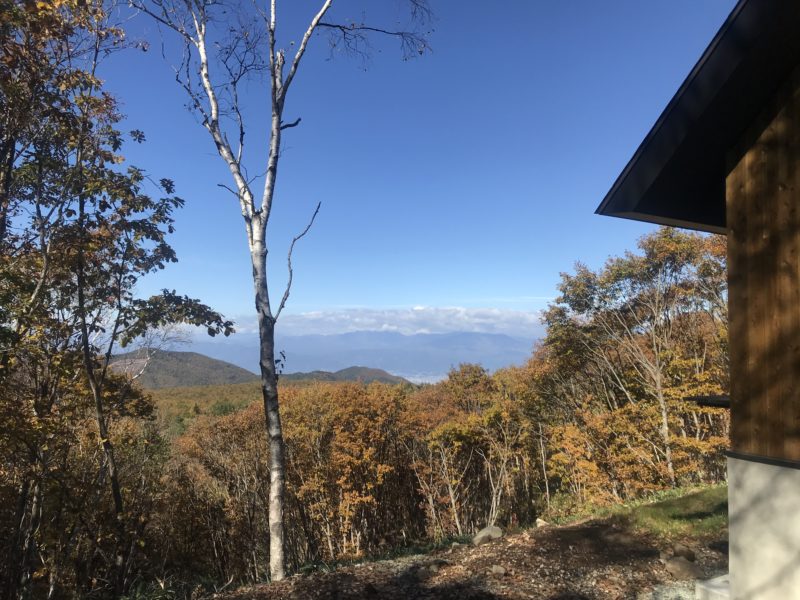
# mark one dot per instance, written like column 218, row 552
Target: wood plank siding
column 763, row 218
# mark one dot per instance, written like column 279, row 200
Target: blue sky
column 460, row 183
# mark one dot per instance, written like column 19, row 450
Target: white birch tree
column 226, row 43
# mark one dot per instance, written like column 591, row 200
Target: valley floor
column 624, row 556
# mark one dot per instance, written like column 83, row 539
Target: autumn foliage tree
column 78, row 233
column 634, row 341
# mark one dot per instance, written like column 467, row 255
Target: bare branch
column 289, row 261
column 354, row 38
column 165, row 16
column 184, row 79
column 230, row 189
column 294, row 123
column 301, row 50
column 420, row 11
column 241, row 58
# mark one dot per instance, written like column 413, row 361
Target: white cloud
column 419, row 319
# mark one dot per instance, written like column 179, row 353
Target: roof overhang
column 677, row 175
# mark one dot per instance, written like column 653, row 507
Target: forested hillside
column 166, row 369
column 178, row 406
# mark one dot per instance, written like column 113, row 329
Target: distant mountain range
column 392, row 357
column 171, row 369
column 419, row 357
column 363, row 374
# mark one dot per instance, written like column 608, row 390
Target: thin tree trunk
column 29, row 542
column 100, row 417
column 6, row 171
column 269, row 389
column 15, row 543
column 55, row 570
column 454, row 508
column 544, row 466
column 451, row 491
column 662, row 405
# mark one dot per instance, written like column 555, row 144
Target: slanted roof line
column 690, row 78
column 677, row 174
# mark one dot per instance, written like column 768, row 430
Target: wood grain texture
column 764, row 288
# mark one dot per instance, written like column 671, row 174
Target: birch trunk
column 269, row 389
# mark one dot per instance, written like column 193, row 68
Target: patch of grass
column 701, row 514
column 676, row 513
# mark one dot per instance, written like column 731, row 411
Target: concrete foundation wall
column 764, row 512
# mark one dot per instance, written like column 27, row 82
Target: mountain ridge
column 175, row 368
column 356, row 373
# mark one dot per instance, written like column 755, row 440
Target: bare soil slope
column 604, row 559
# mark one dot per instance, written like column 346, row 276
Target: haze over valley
column 422, row 357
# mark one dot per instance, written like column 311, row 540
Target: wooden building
column 724, row 157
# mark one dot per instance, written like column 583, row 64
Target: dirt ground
column 596, row 560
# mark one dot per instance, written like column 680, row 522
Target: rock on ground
column 680, row 568
column 487, row 534
column 684, row 551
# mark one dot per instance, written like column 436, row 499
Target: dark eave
column 677, row 175
column 715, row 401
